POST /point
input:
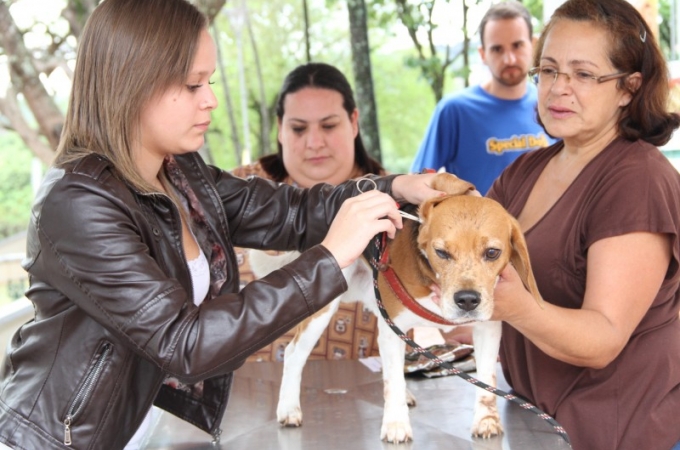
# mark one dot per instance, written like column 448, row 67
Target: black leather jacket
column 113, row 311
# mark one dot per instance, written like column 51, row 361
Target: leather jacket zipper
column 85, row 390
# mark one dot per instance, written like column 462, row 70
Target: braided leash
column 377, row 246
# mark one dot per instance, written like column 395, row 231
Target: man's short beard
column 514, row 81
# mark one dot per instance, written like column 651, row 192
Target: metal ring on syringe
column 359, row 180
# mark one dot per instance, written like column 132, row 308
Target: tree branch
column 26, row 79
column 210, row 7
column 11, row 110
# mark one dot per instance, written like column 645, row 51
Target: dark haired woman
column 318, row 142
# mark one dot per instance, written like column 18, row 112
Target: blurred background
column 402, row 56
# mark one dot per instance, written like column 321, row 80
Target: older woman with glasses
column 601, row 213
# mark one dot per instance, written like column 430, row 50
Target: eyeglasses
column 548, row 76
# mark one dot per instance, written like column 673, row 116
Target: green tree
column 361, row 65
column 535, row 8
column 432, row 57
column 27, row 107
column 665, row 28
column 16, row 193
column 406, row 105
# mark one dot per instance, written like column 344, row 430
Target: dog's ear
column 425, row 208
column 520, row 260
column 451, row 184
column 445, row 182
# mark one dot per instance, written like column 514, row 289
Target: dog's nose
column 467, row 300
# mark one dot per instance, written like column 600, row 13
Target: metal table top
column 352, row 420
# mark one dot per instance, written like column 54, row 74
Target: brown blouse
column 634, row 402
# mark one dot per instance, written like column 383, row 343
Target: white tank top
column 200, row 279
column 200, row 276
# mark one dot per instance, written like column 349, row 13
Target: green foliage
column 405, row 104
column 535, row 8
column 665, row 27
column 15, row 184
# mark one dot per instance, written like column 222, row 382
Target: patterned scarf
column 204, row 235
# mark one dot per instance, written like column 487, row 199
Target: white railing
column 15, row 309
column 12, row 316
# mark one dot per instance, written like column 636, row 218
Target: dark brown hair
column 129, row 52
column 632, row 48
column 505, row 11
column 322, row 76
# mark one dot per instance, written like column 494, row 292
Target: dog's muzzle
column 467, row 300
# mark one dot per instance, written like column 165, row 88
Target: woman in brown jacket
column 133, row 275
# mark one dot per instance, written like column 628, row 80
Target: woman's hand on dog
column 358, row 220
column 415, row 189
column 511, row 297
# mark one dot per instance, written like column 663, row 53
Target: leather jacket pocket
column 86, row 388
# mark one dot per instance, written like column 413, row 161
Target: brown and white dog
column 461, row 245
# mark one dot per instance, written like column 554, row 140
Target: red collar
column 402, row 294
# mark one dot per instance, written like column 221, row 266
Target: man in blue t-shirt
column 477, row 132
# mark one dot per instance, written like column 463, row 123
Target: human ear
column 482, row 53
column 631, row 84
column 634, row 81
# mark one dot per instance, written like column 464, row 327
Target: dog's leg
column 288, row 411
column 487, row 420
column 396, row 426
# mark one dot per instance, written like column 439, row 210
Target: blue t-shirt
column 475, row 135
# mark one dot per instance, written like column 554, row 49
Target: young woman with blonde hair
column 130, row 248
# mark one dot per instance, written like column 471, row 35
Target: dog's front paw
column 290, row 419
column 396, row 432
column 488, row 424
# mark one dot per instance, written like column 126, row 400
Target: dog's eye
column 492, row 254
column 442, row 254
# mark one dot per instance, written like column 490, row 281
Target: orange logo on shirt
column 516, row 143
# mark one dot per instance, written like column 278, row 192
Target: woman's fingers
column 358, row 220
column 415, row 188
